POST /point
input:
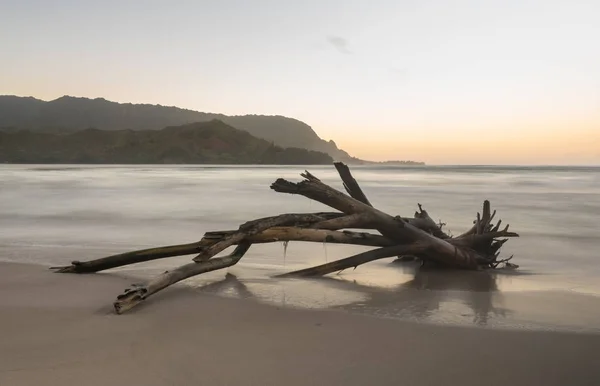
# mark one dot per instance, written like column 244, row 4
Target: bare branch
column 350, row 184
column 135, row 295
column 356, row 260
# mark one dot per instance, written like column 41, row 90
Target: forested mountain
column 212, row 142
column 71, row 114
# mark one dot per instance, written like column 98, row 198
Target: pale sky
column 445, row 82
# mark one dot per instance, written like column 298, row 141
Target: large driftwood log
column 419, row 236
column 391, row 227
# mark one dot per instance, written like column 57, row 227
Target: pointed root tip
column 64, row 269
column 310, row 177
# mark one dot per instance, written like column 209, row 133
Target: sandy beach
column 60, row 329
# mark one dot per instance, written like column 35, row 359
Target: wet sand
column 60, row 330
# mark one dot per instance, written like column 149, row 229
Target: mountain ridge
column 69, row 113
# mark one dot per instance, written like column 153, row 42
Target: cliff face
column 212, row 142
column 70, row 114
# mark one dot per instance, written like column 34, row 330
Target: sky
column 440, row 81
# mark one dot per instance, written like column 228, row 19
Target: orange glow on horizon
column 551, row 144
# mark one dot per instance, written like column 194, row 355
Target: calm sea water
column 52, row 214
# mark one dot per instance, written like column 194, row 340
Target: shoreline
column 473, row 304
column 60, row 329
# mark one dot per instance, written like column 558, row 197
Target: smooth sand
column 60, row 330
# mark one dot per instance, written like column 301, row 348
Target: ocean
column 52, row 214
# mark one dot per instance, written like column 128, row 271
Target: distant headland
column 48, row 133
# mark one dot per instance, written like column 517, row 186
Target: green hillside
column 211, row 142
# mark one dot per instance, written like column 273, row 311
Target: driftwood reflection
column 230, row 282
column 419, row 298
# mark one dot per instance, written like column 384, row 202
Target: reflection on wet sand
column 228, row 285
column 433, row 294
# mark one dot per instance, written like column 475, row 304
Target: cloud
column 399, row 73
column 339, row 43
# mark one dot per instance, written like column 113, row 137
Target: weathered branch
column 350, row 184
column 356, row 260
column 482, row 224
column 256, row 226
column 129, row 258
column 313, row 235
column 268, row 236
column 135, row 295
column 356, row 221
column 140, row 256
column 474, row 240
column 426, row 223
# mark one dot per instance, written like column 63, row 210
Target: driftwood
column 420, row 237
